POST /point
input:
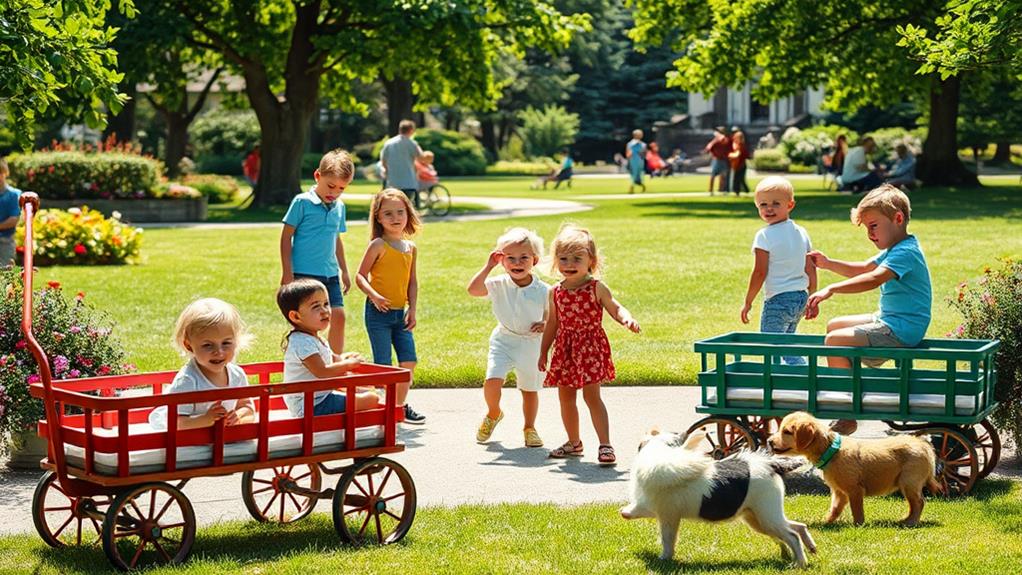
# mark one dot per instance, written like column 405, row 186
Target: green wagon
column 943, row 388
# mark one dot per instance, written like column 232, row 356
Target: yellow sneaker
column 532, row 439
column 487, row 426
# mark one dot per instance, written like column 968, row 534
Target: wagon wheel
column 985, row 438
column 762, row 427
column 957, row 461
column 61, row 519
column 269, row 496
column 725, row 436
column 374, row 502
column 148, row 524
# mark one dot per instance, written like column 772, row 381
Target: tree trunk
column 940, row 164
column 400, row 101
column 1003, row 154
column 489, row 136
column 122, row 126
column 177, row 141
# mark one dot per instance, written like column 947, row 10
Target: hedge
column 770, row 160
column 69, row 175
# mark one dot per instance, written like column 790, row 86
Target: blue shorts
column 333, row 403
column 387, row 329
column 333, row 288
column 719, row 166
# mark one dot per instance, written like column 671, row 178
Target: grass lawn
column 978, row 534
column 680, row 264
column 356, row 209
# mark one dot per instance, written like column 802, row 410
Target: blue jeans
column 386, row 329
column 781, row 314
column 333, row 403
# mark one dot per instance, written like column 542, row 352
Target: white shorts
column 515, row 352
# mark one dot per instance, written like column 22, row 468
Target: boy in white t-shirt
column 520, row 304
column 783, row 268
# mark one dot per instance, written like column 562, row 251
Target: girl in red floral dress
column 581, row 357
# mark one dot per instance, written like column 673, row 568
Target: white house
column 729, row 106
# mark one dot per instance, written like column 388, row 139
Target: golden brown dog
column 859, row 468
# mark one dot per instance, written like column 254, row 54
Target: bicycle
column 435, row 200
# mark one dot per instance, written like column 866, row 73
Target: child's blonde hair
column 428, row 155
column 571, row 239
column 887, row 199
column 337, row 163
column 412, row 226
column 515, row 236
column 206, row 313
column 775, row 184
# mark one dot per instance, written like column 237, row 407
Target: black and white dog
column 672, row 480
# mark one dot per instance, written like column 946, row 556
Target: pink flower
column 22, row 344
column 34, row 378
column 74, row 374
column 60, row 364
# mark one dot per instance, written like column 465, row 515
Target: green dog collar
column 829, row 454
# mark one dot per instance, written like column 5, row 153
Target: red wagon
column 113, row 479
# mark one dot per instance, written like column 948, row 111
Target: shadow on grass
column 240, row 543
column 845, row 522
column 654, row 564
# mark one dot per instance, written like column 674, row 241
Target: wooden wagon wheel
column 957, row 461
column 763, row 427
column 985, row 438
column 374, row 502
column 268, row 493
column 148, row 524
column 725, row 436
column 61, row 519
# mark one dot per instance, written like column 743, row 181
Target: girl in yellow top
column 387, row 276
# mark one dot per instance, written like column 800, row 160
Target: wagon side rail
column 80, row 429
column 981, row 377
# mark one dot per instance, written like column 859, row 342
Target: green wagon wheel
column 725, row 436
column 987, row 441
column 63, row 520
column 267, row 495
column 149, row 524
column 957, row 461
column 374, row 502
column 439, row 200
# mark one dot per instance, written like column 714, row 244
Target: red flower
column 51, row 169
column 103, row 370
column 53, row 284
column 80, row 296
column 80, row 249
column 22, row 344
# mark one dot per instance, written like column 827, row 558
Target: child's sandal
column 606, row 455
column 569, row 449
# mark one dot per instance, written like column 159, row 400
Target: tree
column 850, row 48
column 291, row 53
column 546, row 132
column 56, row 58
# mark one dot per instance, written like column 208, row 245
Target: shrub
column 991, row 308
column 805, row 147
column 216, row 189
column 69, row 175
column 515, row 168
column 457, row 154
column 770, row 160
column 548, row 131
column 76, row 337
column 222, row 138
column 887, row 138
column 82, row 237
column 514, row 150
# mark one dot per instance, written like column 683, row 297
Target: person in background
column 398, row 158
column 856, row 174
column 250, row 167
column 635, row 152
column 903, row 173
column 655, row 165
column 719, row 147
column 738, row 158
column 10, row 213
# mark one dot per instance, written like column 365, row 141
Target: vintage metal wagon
column 111, row 478
column 943, row 388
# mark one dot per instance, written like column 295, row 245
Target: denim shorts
column 387, row 329
column 719, row 166
column 333, row 403
column 878, row 335
column 7, row 250
column 333, row 288
column 781, row 314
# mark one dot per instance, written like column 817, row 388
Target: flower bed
column 76, row 337
column 82, row 236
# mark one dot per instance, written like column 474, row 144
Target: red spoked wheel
column 374, row 502
column 269, row 493
column 149, row 524
column 957, row 461
column 987, row 441
column 61, row 519
column 762, row 427
column 725, row 436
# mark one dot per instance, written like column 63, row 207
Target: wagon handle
column 30, row 204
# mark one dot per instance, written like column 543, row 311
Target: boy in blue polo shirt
column 10, row 212
column 310, row 244
column 899, row 270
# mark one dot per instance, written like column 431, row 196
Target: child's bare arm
column 343, row 264
column 287, row 274
column 549, row 332
column 477, row 287
column 215, row 412
column 756, row 279
column 615, row 309
column 811, row 272
column 362, row 277
column 858, row 284
column 847, row 269
column 413, row 292
column 348, row 361
column 244, row 412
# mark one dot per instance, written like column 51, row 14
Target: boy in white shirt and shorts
column 783, row 267
column 520, row 305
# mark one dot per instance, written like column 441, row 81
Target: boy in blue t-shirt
column 310, row 243
column 10, row 212
column 900, row 272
